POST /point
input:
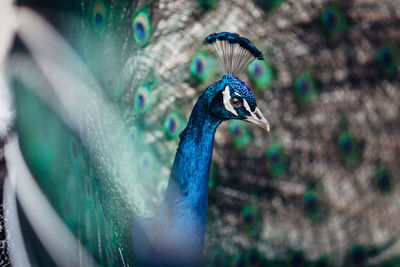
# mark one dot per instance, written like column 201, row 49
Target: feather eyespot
column 202, row 66
column 276, row 160
column 142, row 99
column 383, row 181
column 236, row 102
column 250, row 220
column 173, row 125
column 305, row 87
column 311, row 205
column 260, row 73
column 239, row 133
column 111, row 84
column 333, row 21
column 141, row 28
column 133, row 134
column 99, row 16
column 349, row 147
column 388, row 60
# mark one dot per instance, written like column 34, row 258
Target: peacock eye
column 236, row 102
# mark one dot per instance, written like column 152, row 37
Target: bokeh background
column 321, row 189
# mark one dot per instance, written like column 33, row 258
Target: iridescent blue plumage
column 175, row 236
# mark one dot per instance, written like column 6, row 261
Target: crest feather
column 234, row 53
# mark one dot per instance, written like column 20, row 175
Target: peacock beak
column 257, row 118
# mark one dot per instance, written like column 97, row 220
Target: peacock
column 105, row 91
column 175, row 235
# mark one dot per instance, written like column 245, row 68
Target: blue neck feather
column 190, row 172
column 177, row 232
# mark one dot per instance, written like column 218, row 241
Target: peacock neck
column 185, row 205
column 190, row 171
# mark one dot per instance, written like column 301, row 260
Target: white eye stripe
column 237, row 94
column 227, row 101
column 253, row 114
column 246, row 106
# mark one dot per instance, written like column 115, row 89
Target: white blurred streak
column 62, row 68
column 74, row 85
column 57, row 239
column 15, row 241
column 7, row 29
column 6, row 112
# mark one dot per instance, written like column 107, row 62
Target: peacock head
column 231, row 97
column 234, row 100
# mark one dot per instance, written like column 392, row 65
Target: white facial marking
column 237, row 94
column 246, row 106
column 227, row 101
column 256, row 114
column 257, row 118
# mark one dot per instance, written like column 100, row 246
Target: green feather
column 141, row 27
column 202, row 66
column 311, row 205
column 388, row 60
column 384, row 181
column 239, row 133
column 348, row 147
column 173, row 125
column 250, row 220
column 260, row 73
column 98, row 16
column 276, row 160
column 305, row 87
column 333, row 21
